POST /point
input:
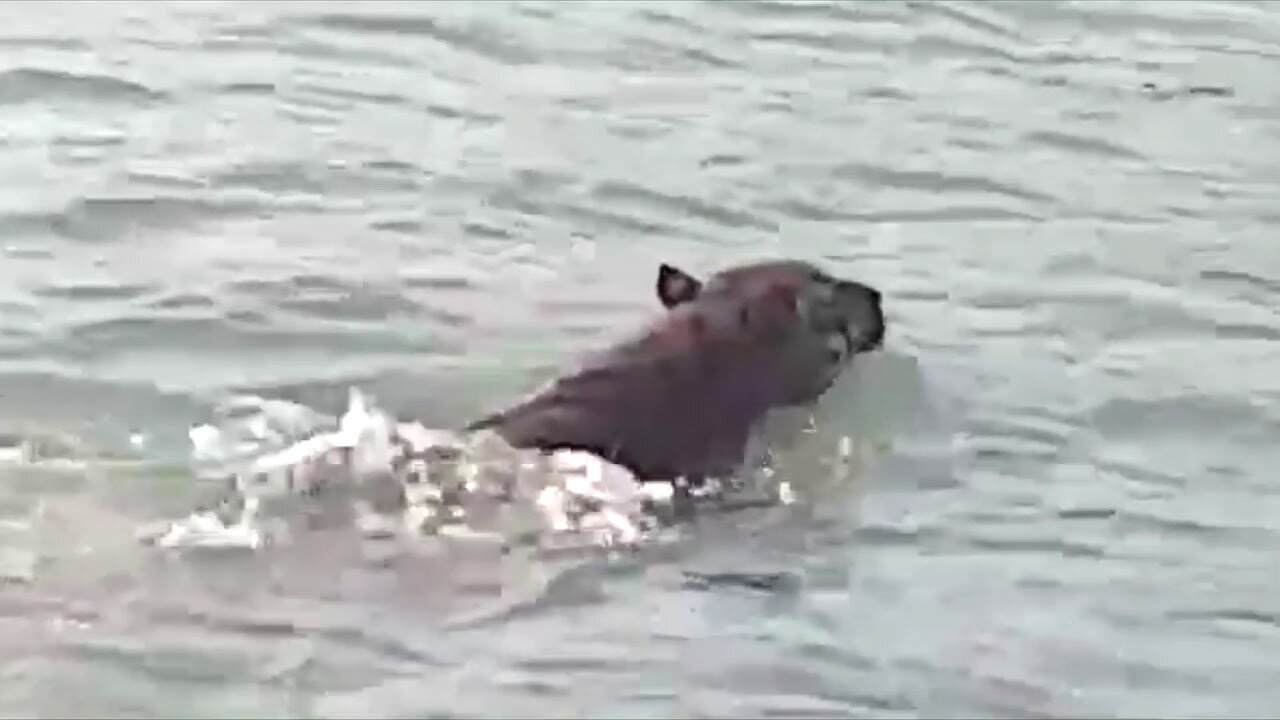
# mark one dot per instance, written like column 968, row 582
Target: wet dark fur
column 681, row 399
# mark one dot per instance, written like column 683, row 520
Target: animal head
column 682, row 397
column 844, row 316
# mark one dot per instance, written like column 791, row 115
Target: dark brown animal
column 681, row 399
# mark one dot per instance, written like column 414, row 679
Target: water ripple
column 1068, row 208
column 22, row 85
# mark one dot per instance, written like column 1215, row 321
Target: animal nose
column 876, row 338
column 866, row 312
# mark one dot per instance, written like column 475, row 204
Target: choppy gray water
column 1070, row 207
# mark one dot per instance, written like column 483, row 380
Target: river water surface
column 1068, row 206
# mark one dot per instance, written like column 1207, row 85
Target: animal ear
column 675, row 286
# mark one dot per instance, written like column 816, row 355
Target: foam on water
column 264, row 450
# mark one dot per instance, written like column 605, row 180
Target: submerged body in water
column 686, row 401
column 678, row 403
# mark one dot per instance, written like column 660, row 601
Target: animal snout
column 864, row 309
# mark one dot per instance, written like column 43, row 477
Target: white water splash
column 264, row 449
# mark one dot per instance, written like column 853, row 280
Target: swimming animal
column 680, row 399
